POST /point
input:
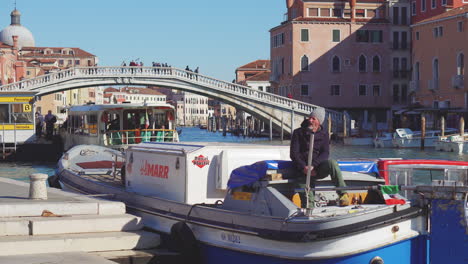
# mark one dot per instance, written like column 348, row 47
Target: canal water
column 21, row 170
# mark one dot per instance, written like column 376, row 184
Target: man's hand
column 312, row 172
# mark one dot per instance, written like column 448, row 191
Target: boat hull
column 218, row 239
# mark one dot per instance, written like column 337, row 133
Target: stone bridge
column 281, row 111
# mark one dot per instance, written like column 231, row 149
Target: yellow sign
column 18, row 127
column 27, row 108
column 241, row 196
column 15, row 99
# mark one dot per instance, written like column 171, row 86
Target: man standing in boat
column 321, row 165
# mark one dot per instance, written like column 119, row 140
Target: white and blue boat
column 232, row 203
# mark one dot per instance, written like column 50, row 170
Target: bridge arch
column 283, row 112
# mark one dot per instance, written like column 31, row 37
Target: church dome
column 25, row 37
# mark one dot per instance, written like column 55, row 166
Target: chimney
column 352, row 4
column 289, row 3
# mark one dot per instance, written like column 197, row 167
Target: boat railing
column 135, row 136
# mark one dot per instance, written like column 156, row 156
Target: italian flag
column 146, row 120
column 390, row 194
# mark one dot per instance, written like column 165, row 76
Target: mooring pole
column 271, row 129
column 423, row 130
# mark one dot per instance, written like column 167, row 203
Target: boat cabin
column 119, row 125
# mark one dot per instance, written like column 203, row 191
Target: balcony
column 414, row 85
column 458, row 82
column 433, row 84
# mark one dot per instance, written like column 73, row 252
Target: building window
column 396, row 67
column 60, row 62
column 376, row 90
column 444, row 2
column 423, row 6
column 395, row 15
column 362, row 36
column 376, row 64
column 396, row 40
column 313, row 12
column 362, row 64
column 417, row 35
column 304, row 63
column 441, row 31
column 360, row 13
column 304, row 89
column 336, row 35
column 376, row 36
column 435, row 69
column 335, row 90
column 433, row 4
column 460, row 26
column 404, row 18
column 28, row 72
column 396, row 93
column 404, row 93
column 461, row 64
column 362, row 90
column 370, row 13
column 413, row 8
column 404, row 40
column 336, row 64
column 337, row 12
column 304, row 35
column 325, row 12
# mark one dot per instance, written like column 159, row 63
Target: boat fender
column 53, row 181
column 184, row 241
column 377, row 260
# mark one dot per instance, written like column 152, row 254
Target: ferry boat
column 234, row 204
column 119, row 125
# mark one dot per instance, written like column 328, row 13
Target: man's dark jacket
column 300, row 140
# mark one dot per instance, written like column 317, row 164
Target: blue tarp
column 246, row 175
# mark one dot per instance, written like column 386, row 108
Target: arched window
column 304, row 63
column 460, row 64
column 376, row 64
column 362, row 64
column 336, row 64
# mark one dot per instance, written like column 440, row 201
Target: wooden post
column 423, row 130
column 462, row 126
column 271, row 129
column 329, row 125
column 345, row 134
column 442, row 125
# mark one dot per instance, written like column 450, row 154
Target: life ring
column 183, row 241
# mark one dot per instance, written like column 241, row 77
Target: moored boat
column 406, row 138
column 237, row 207
column 119, row 125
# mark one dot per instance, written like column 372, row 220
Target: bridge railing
column 165, row 72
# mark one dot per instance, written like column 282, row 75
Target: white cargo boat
column 220, row 209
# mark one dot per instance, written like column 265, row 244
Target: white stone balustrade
column 135, row 73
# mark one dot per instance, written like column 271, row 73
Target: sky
column 215, row 35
